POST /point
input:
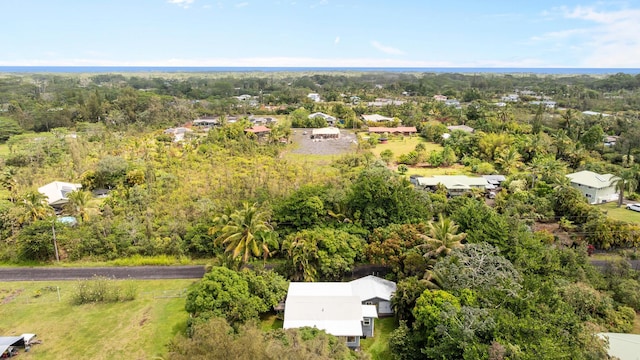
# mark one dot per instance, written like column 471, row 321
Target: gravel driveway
column 306, row 145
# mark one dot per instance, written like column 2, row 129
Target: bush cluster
column 100, row 289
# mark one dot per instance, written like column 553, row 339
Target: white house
column 622, row 346
column 325, row 133
column 56, row 192
column 329, row 306
column 331, row 120
column 314, row 97
column 455, row 184
column 376, row 118
column 595, row 187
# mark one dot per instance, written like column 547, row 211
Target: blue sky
column 327, row 33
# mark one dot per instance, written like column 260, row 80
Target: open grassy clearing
column 620, row 213
column 404, row 145
column 378, row 345
column 138, row 329
column 456, row 169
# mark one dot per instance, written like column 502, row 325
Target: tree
column 235, row 296
column 8, row 128
column 77, row 205
column 237, row 232
column 509, row 160
column 443, row 237
column 627, row 181
column 34, row 207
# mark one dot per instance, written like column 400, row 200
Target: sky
column 321, row 33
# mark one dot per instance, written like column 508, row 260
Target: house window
column 351, row 339
column 368, row 302
column 367, row 321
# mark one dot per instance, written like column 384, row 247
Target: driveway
column 132, row 272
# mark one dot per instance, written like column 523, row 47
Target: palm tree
column 627, row 181
column 443, row 237
column 509, row 160
column 77, row 205
column 35, row 207
column 238, row 232
column 8, row 181
column 303, row 252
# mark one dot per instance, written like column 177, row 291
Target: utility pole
column 55, row 243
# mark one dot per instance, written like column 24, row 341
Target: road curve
column 130, row 272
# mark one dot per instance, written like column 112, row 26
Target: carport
column 7, row 342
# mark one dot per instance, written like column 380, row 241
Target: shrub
column 100, row 289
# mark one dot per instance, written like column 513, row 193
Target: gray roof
column 453, row 181
column 56, row 192
column 370, row 287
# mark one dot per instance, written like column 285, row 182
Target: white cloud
column 608, row 38
column 182, row 3
column 386, row 49
column 320, row 3
column 242, row 4
column 337, row 40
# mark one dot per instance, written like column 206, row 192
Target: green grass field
column 404, row 145
column 378, row 346
column 138, row 329
column 4, row 149
column 620, row 213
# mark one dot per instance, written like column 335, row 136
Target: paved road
column 635, row 264
column 133, row 272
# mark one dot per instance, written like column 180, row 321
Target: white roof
column 56, row 192
column 369, row 311
column 326, row 131
column 453, row 181
column 28, row 337
column 319, row 289
column 370, row 287
column 592, row 179
column 337, row 315
column 376, row 118
column 322, row 115
column 623, row 346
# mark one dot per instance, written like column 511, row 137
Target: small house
column 325, row 133
column 56, row 192
column 261, row 132
column 376, row 118
column 331, row 120
column 456, row 185
column 376, row 291
column 597, row 188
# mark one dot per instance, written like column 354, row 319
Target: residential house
column 595, row 187
column 610, row 140
column 261, row 132
column 376, row 118
column 314, row 97
column 464, row 128
column 622, row 346
column 401, row 130
column 325, row 133
column 243, row 97
column 452, row 102
column 376, row 291
column 439, row 98
column 384, row 102
column 329, row 306
column 510, row 98
column 262, row 120
column 494, row 180
column 178, row 133
column 456, row 185
column 56, row 192
column 205, row 122
column 331, row 120
column 595, row 113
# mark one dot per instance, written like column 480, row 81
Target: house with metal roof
column 597, row 188
column 376, row 118
column 325, row 133
column 375, row 291
column 331, row 120
column 456, row 185
column 56, row 192
column 329, row 306
column 622, row 346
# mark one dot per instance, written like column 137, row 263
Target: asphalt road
column 133, row 272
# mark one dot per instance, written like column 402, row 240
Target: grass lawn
column 138, row 329
column 270, row 321
column 404, row 146
column 620, row 213
column 378, row 346
column 4, row 149
column 456, row 169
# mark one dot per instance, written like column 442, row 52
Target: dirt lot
column 306, row 145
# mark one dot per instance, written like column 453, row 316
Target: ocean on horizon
column 186, row 69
